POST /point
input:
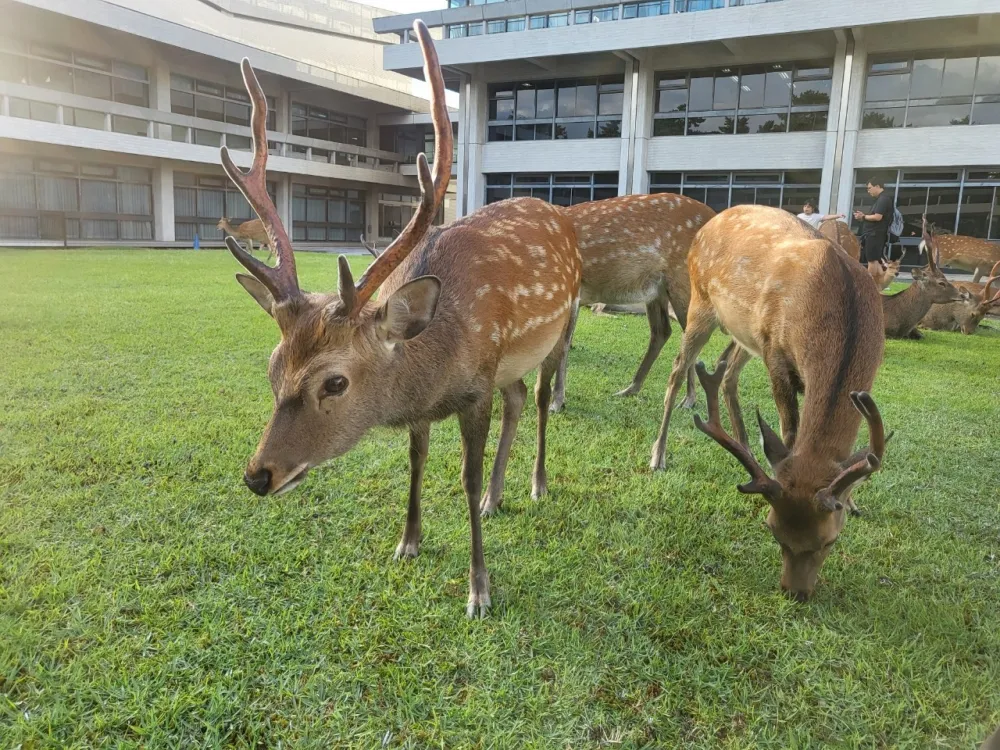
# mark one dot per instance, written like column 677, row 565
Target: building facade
column 729, row 101
column 112, row 113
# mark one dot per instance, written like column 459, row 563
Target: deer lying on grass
column 251, row 231
column 969, row 254
column 813, row 315
column 634, row 250
column 462, row 311
column 904, row 310
column 965, row 316
column 840, row 233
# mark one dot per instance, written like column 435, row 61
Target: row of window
column 721, row 190
column 562, row 189
column 546, row 110
column 213, row 101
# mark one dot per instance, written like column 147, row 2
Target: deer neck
column 904, row 310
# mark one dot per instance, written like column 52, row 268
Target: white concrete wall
column 590, row 155
column 769, row 151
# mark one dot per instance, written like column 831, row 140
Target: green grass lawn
column 147, row 599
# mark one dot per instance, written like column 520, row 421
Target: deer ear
column 918, row 273
column 258, row 291
column 409, row 310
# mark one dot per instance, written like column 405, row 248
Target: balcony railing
column 127, row 119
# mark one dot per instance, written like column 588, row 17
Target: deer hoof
column 689, row 402
column 630, row 391
column 539, row 489
column 557, row 406
column 488, row 506
column 479, row 602
column 406, row 550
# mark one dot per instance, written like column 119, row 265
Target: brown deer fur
column 904, row 310
column 462, row 311
column 885, row 274
column 838, row 232
column 813, row 315
column 634, row 250
column 971, row 254
column 966, row 315
column 251, row 231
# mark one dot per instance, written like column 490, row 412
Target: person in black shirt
column 874, row 234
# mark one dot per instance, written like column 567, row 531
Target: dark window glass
column 609, row 129
column 951, row 114
column 501, row 133
column 883, row 118
column 926, row 78
column 709, row 125
column 726, row 91
column 672, row 100
column 778, row 89
column 526, row 103
column 802, row 121
column 545, row 99
column 988, row 77
column 543, row 132
column 524, row 133
column 811, row 93
column 586, row 100
column 887, row 87
column 752, row 90
column 986, row 113
column 974, row 217
column 701, row 93
column 576, row 130
column 668, row 126
column 96, row 85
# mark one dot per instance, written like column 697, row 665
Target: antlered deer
column 965, row 316
column 904, row 310
column 634, row 250
column 813, row 315
column 838, row 232
column 462, row 311
column 251, row 231
column 966, row 253
column 886, row 272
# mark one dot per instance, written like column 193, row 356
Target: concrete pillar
column 644, row 92
column 462, row 158
column 854, row 100
column 163, row 203
column 371, row 213
column 629, row 114
column 159, row 96
column 284, row 200
column 478, row 113
column 830, row 183
column 283, row 112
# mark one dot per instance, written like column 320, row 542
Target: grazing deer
column 813, row 315
column 841, row 234
column 886, row 272
column 965, row 316
column 251, row 231
column 634, row 250
column 904, row 310
column 969, row 254
column 462, row 311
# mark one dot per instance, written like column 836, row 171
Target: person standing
column 874, row 234
column 814, row 219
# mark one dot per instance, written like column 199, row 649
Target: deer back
column 838, row 232
column 967, row 253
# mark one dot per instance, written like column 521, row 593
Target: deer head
column 931, row 279
column 980, row 308
column 335, row 371
column 807, row 502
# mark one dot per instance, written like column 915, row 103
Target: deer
column 251, row 231
column 886, row 273
column 904, row 310
column 461, row 311
column 966, row 315
column 813, row 315
column 838, row 232
column 634, row 250
column 970, row 254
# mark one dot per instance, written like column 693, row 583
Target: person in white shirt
column 813, row 219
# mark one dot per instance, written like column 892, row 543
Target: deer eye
column 334, row 386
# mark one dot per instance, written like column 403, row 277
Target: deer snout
column 798, row 596
column 259, row 482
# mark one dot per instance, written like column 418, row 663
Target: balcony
column 38, row 114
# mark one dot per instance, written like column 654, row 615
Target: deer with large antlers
column 634, row 250
column 904, row 310
column 462, row 311
column 966, row 315
column 813, row 315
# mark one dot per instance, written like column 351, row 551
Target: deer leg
column 559, row 400
column 474, row 423
column 692, row 391
column 543, row 390
column 787, row 401
column 659, row 332
column 977, row 275
column 514, row 396
column 701, row 324
column 409, row 545
column 736, row 357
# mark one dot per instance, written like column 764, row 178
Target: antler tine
column 928, row 238
column 865, row 404
column 760, row 483
column 862, row 464
column 432, row 190
column 281, row 281
column 369, row 247
column 994, row 276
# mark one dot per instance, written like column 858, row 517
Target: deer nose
column 798, row 596
column 259, row 482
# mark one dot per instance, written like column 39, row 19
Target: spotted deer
column 461, row 311
column 966, row 315
column 904, row 310
column 813, row 315
column 251, row 231
column 634, row 250
column 969, row 254
column 838, row 232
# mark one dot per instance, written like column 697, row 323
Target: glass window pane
column 237, row 114
column 582, row 16
column 668, row 126
column 496, row 27
column 567, row 100
column 778, row 89
column 609, row 129
column 752, row 91
column 769, row 197
column 525, row 132
column 574, row 130
column 727, row 91
column 672, row 100
column 545, row 101
column 558, row 19
column 209, row 108
column 497, row 194
column 743, row 196
column 709, row 125
column 804, row 121
column 887, row 87
column 83, row 118
column 96, row 85
column 526, row 102
column 959, row 76
column 536, row 22
column 701, row 93
column 586, row 100
column 941, row 114
column 629, row 10
column 129, row 125
column 927, row 78
column 988, row 77
column 717, row 198
column 883, row 118
column 777, row 123
column 131, row 92
column 501, row 133
column 502, row 109
column 975, row 212
column 809, row 93
column 50, row 76
column 515, row 24
column 986, row 113
column 611, row 104
column 476, row 29
column 942, row 207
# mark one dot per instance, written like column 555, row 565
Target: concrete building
column 730, row 101
column 112, row 113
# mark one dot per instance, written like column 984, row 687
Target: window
column 645, row 10
column 774, row 98
column 562, row 189
column 201, row 200
column 327, row 125
column 690, row 6
column 395, row 211
column 322, row 214
column 543, row 110
column 53, row 199
column 721, row 190
column 958, row 89
column 213, row 101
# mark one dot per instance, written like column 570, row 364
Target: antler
column 760, row 483
column 933, row 253
column 994, row 276
column 281, row 280
column 862, row 464
column 432, row 190
column 370, row 248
